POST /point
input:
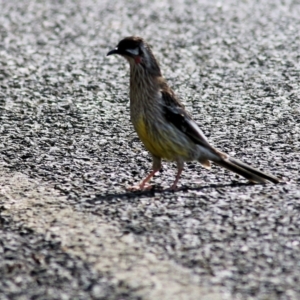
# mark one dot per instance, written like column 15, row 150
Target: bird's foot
column 140, row 187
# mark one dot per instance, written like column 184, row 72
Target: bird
column 163, row 124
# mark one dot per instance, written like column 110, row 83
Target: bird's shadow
column 159, row 190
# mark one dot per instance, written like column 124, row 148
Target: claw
column 140, row 187
column 143, row 186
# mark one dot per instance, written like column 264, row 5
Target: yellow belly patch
column 161, row 146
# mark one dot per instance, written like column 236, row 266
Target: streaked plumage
column 163, row 124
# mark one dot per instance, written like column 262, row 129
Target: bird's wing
column 175, row 113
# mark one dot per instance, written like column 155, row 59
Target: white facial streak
column 134, row 51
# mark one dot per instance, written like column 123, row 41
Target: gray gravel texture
column 33, row 267
column 65, row 126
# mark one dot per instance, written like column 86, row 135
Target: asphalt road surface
column 68, row 227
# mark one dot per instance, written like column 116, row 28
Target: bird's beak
column 114, row 51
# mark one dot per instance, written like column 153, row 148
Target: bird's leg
column 180, row 165
column 144, row 184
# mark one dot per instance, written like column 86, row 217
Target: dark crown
column 130, row 42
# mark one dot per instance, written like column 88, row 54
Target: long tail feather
column 246, row 171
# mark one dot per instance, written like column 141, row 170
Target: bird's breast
column 146, row 135
column 161, row 140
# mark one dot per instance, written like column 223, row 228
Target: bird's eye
column 134, row 51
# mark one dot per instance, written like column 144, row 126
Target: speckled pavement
column 68, row 227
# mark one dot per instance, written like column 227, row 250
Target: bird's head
column 138, row 53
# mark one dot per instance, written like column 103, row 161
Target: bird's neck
column 142, row 81
column 144, row 91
